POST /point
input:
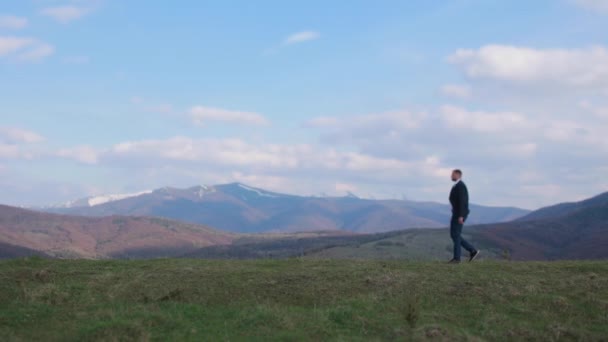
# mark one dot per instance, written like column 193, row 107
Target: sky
column 379, row 98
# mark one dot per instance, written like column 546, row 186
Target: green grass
column 413, row 244
column 301, row 299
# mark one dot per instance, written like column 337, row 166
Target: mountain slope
column 564, row 209
column 240, row 208
column 8, row 251
column 67, row 236
column 581, row 234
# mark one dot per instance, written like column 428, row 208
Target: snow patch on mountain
column 257, row 191
column 203, row 190
column 93, row 201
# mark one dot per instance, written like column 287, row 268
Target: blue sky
column 378, row 98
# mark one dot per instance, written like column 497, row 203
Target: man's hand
column 461, row 220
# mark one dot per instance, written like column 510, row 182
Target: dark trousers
column 456, row 234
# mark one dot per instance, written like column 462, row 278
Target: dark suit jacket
column 459, row 198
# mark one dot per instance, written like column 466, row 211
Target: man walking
column 459, row 198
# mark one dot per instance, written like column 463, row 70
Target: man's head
column 456, row 175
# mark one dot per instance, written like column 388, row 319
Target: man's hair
column 457, row 171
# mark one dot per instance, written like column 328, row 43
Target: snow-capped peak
column 257, row 191
column 202, row 190
column 97, row 200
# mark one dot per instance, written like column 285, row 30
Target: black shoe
column 454, row 261
column 473, row 256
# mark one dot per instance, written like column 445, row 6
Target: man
column 459, row 198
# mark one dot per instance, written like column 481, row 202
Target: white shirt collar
column 456, row 183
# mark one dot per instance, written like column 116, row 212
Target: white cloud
column 17, row 143
column 12, row 22
column 492, row 146
column 562, row 131
column 231, row 152
column 595, row 5
column 241, row 155
column 600, row 112
column 18, row 135
column 301, row 37
column 83, row 154
column 295, row 38
column 583, row 138
column 459, row 91
column 9, row 151
column 201, row 115
column 397, row 119
column 9, row 45
column 37, row 53
column 24, row 49
column 512, row 151
column 355, row 161
column 442, row 132
column 66, row 14
column 460, row 118
column 586, row 68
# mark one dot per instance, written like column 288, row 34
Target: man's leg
column 455, row 231
column 467, row 245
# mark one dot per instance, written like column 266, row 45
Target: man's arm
column 463, row 199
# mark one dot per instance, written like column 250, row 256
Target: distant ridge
column 564, row 209
column 103, row 237
column 237, row 207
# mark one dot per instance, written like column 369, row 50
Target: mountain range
column 577, row 230
column 240, row 208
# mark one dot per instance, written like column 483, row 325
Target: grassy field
column 413, row 244
column 301, row 299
